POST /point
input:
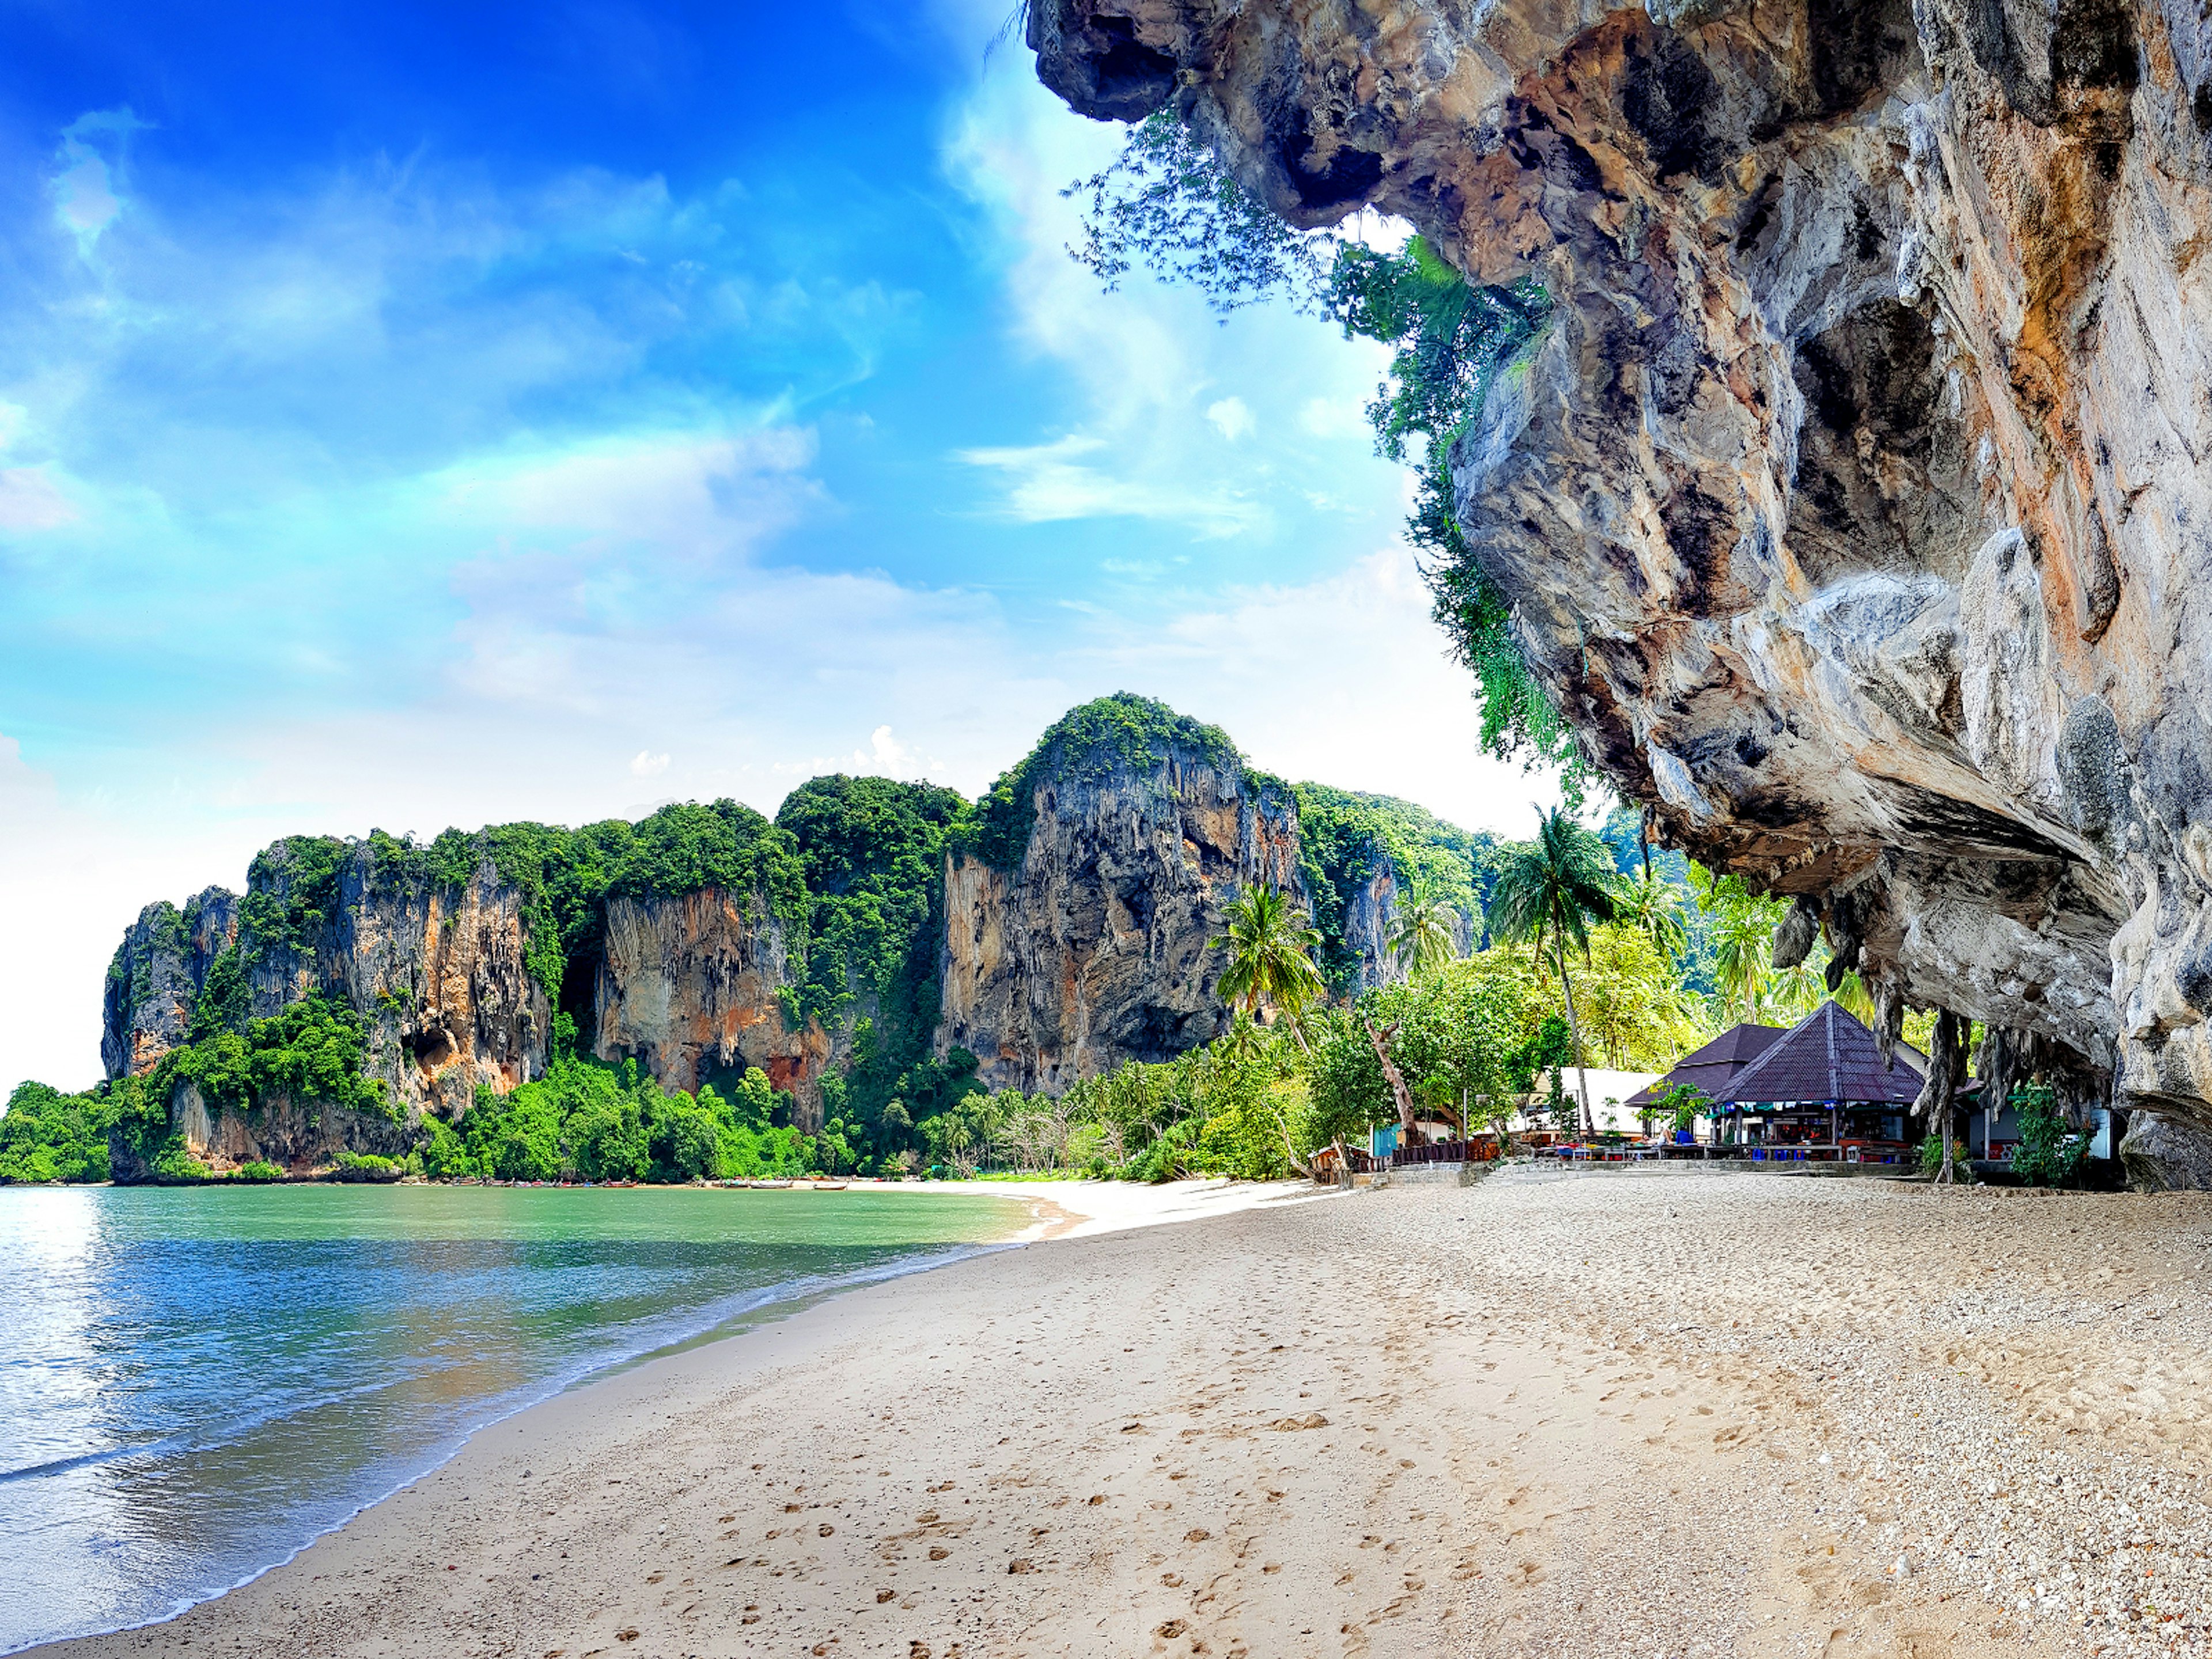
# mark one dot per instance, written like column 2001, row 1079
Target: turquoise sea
column 194, row 1382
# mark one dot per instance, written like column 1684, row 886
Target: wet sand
column 1659, row 1413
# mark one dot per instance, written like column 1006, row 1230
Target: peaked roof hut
column 1827, row 1058
column 1711, row 1069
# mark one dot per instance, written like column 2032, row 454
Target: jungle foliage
column 1345, row 837
column 1168, row 204
column 46, row 1135
column 1088, row 745
column 590, row 1121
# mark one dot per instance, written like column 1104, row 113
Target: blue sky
column 415, row 417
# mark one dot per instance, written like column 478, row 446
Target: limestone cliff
column 1371, row 917
column 695, row 983
column 1055, row 928
column 155, row 979
column 438, row 968
column 1851, row 502
column 1084, row 939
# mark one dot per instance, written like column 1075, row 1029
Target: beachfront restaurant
column 1820, row 1092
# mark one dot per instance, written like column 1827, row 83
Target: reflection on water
column 194, row 1382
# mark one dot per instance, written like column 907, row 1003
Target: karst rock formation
column 1852, row 501
column 1098, row 946
column 1072, row 925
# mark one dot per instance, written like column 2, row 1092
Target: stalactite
column 1946, row 1070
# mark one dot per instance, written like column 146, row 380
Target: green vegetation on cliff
column 291, row 896
column 589, row 1121
column 311, row 1050
column 1108, row 737
column 1345, row 837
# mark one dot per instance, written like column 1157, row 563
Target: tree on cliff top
column 1089, row 744
column 1168, row 203
column 1554, row 888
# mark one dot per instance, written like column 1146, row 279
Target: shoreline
column 1531, row 1418
column 1049, row 1218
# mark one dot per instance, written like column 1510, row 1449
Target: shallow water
column 194, row 1382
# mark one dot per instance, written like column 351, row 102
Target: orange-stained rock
column 1852, row 501
column 689, row 985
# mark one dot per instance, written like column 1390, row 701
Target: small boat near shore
column 828, row 1186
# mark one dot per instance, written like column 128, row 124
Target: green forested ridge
column 46, row 1135
column 851, row 867
column 1345, row 836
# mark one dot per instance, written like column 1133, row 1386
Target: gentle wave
column 236, row 1445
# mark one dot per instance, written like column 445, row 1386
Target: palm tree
column 1553, row 887
column 1654, row 905
column 1271, row 949
column 1422, row 934
column 1742, row 934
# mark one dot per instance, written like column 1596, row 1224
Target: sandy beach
column 1664, row 1414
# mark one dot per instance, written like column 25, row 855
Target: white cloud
column 648, row 764
column 76, row 875
column 1345, row 680
column 1231, row 417
column 1334, row 417
column 1156, row 377
column 30, row 500
column 1049, row 484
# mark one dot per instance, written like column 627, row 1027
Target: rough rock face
column 1370, row 916
column 1852, row 502
column 298, row 1136
column 155, row 979
column 693, row 984
column 1095, row 949
column 440, row 972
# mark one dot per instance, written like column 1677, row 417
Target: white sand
column 1599, row 1413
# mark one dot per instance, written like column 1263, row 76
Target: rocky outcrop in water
column 1852, row 501
column 1090, row 944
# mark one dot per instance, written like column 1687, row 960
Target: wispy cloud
column 1056, row 481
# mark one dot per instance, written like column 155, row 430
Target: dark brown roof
column 1711, row 1069
column 1827, row 1057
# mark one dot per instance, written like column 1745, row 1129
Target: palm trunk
column 1575, row 1037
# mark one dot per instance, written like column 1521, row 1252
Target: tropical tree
column 1743, row 933
column 1552, row 890
column 1634, row 1011
column 1271, row 949
column 1653, row 905
column 1422, row 934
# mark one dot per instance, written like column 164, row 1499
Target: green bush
column 1931, row 1154
column 2048, row 1154
column 444, row 1154
column 174, row 1163
column 260, row 1169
